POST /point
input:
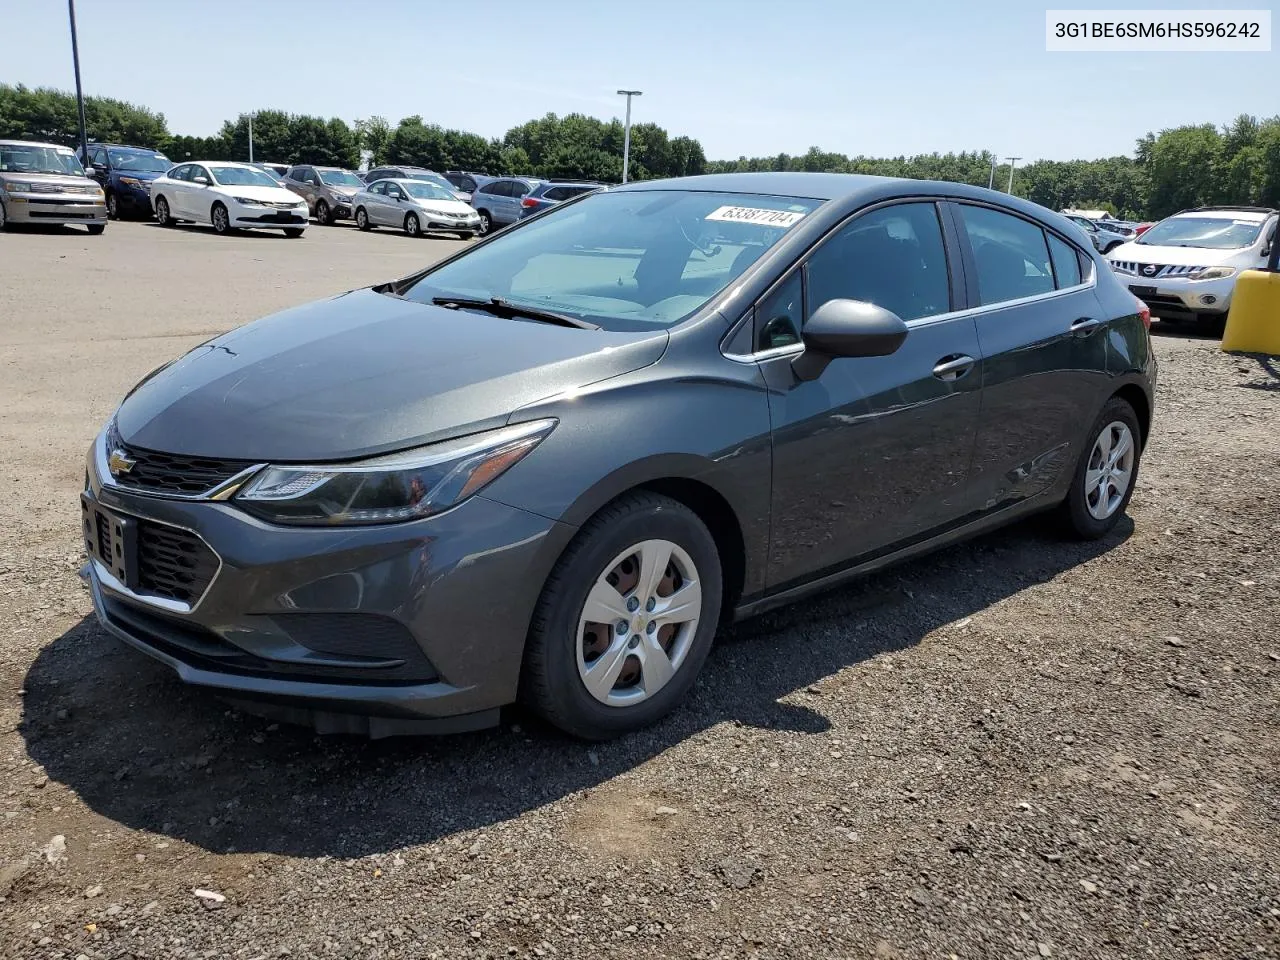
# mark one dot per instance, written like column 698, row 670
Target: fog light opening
column 1208, row 299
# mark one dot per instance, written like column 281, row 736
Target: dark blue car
column 125, row 174
column 550, row 192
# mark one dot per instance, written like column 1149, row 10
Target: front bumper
column 443, row 225
column 61, row 208
column 1176, row 298
column 415, row 627
column 273, row 217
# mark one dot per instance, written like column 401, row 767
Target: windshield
column 141, row 162
column 340, row 178
column 427, row 190
column 625, row 261
column 433, row 178
column 242, row 177
column 37, row 159
column 1210, row 233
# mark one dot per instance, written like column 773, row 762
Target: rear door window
column 1011, row 255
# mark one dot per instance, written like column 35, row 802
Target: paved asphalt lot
column 1020, row 747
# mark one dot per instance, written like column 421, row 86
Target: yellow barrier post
column 1253, row 322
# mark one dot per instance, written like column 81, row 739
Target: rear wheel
column 162, row 213
column 1106, row 472
column 323, row 216
column 95, row 229
column 220, row 219
column 626, row 619
column 362, row 219
column 486, row 223
column 412, row 226
column 4, row 218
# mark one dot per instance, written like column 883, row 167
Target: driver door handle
column 953, row 367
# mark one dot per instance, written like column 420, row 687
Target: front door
column 876, row 451
column 1043, row 335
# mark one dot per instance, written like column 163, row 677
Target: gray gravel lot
column 1020, row 747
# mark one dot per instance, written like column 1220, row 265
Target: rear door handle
column 1086, row 325
column 953, row 367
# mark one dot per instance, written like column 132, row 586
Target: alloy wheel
column 638, row 623
column 220, row 222
column 322, row 213
column 486, row 222
column 411, row 225
column 1110, row 470
column 162, row 212
column 113, row 207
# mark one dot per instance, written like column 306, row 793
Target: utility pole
column 251, row 138
column 1012, row 163
column 75, row 58
column 626, row 137
column 991, row 180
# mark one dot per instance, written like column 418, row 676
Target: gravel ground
column 1019, row 747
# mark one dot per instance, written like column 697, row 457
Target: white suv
column 1185, row 267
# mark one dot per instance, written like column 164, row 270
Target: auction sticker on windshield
column 757, row 215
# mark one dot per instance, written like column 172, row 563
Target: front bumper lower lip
column 1183, row 295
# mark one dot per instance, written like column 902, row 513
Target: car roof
column 30, row 143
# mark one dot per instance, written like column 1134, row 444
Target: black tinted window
column 779, row 316
column 1010, row 253
column 1066, row 262
column 892, row 257
column 181, row 173
column 500, row 188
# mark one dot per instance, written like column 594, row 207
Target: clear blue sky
column 750, row 77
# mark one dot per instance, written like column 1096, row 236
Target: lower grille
column 359, row 637
column 103, row 534
column 173, row 563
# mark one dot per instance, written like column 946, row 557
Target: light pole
column 75, row 58
column 626, row 136
column 991, row 180
column 251, row 138
column 1012, row 162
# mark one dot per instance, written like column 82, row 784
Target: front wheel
column 220, row 219
column 323, row 216
column 1106, row 472
column 412, row 226
column 626, row 619
column 362, row 219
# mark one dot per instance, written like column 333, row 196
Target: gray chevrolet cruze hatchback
column 547, row 468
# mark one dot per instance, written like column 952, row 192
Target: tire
column 323, row 215
column 4, row 218
column 412, row 225
column 162, row 213
column 95, row 229
column 553, row 681
column 220, row 219
column 362, row 219
column 1082, row 512
column 113, row 206
column 293, row 233
column 486, row 223
column 465, row 235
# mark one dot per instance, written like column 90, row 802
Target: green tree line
column 1169, row 170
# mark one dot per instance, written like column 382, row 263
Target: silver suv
column 44, row 183
column 327, row 190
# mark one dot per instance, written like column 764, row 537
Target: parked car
column 549, row 193
column 125, row 174
column 45, row 183
column 327, row 190
column 413, row 173
column 498, row 201
column 270, row 170
column 1185, row 267
column 418, row 207
column 228, row 196
column 1142, row 228
column 1104, row 236
column 279, row 169
column 466, row 183
column 552, row 465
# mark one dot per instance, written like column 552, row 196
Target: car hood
column 443, row 206
column 1177, row 256
column 58, row 179
column 273, row 194
column 362, row 374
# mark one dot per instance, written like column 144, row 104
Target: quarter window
column 1010, row 254
column 893, row 257
column 519, row 188
column 1066, row 262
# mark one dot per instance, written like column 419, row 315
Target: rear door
column 875, row 452
column 1043, row 336
column 519, row 189
column 297, row 181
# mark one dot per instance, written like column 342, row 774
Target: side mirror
column 847, row 328
column 202, row 180
column 90, row 170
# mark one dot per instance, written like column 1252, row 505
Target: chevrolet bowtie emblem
column 119, row 463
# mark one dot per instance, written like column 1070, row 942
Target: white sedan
column 228, row 196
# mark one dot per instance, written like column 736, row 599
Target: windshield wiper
column 505, row 308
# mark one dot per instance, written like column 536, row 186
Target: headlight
column 403, row 486
column 249, row 201
column 1213, row 273
column 134, row 182
column 17, row 186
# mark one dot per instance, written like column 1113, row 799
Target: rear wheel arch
column 1136, row 397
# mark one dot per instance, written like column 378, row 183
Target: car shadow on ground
column 141, row 749
column 258, row 233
